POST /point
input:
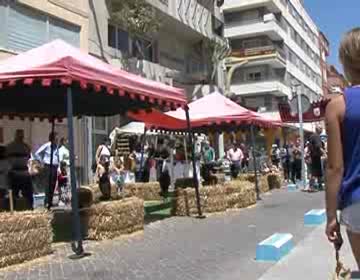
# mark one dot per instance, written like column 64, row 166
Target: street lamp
column 301, row 130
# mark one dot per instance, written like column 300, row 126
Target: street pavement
column 312, row 259
column 220, row 247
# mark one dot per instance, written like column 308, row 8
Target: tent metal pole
column 255, row 162
column 195, row 177
column 142, row 153
column 51, row 164
column 76, row 245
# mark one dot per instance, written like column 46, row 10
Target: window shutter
column 26, row 29
column 2, row 26
column 59, row 29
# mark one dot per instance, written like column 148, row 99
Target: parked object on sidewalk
column 24, row 236
column 275, row 247
column 292, row 187
column 39, row 200
column 315, row 217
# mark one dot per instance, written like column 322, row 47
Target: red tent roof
column 158, row 120
column 216, row 108
column 212, row 109
column 59, row 63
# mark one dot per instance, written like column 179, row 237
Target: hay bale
column 146, row 191
column 212, row 199
column 274, row 181
column 262, row 181
column 107, row 220
column 184, row 183
column 97, row 195
column 263, row 184
column 24, row 236
column 240, row 194
column 85, row 196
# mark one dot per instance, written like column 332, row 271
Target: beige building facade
column 26, row 24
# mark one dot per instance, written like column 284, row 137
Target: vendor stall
column 58, row 81
column 214, row 112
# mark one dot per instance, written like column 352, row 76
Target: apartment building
column 324, row 53
column 336, row 81
column 275, row 44
column 176, row 55
column 26, row 24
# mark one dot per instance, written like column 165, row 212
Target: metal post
column 301, row 132
column 142, row 153
column 255, row 162
column 51, row 164
column 195, row 177
column 76, row 245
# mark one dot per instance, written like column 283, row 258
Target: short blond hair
column 349, row 54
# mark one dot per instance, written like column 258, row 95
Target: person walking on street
column 316, row 152
column 285, row 162
column 18, row 154
column 235, row 155
column 342, row 119
column 296, row 165
column 43, row 154
column 245, row 160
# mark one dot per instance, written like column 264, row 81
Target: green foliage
column 136, row 16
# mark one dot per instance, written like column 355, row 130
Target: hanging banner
column 315, row 113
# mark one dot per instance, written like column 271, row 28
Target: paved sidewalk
column 312, row 259
column 221, row 247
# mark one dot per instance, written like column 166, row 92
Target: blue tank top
column 350, row 185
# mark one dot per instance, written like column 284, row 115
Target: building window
column 251, row 15
column 217, row 26
column 254, row 76
column 23, row 28
column 118, row 39
column 251, row 43
column 142, row 49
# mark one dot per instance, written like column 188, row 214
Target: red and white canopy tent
column 57, row 80
column 211, row 112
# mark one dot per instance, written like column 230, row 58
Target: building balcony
column 274, row 6
column 253, row 88
column 268, row 25
column 271, row 55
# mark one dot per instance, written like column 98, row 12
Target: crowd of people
column 25, row 172
column 289, row 158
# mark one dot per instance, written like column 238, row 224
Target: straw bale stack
column 274, row 181
column 152, row 191
column 184, row 183
column 24, row 236
column 146, row 191
column 240, row 194
column 263, row 184
column 212, row 199
column 108, row 220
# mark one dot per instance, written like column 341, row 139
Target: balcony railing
column 257, row 51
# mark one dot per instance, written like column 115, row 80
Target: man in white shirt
column 43, row 154
column 235, row 155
